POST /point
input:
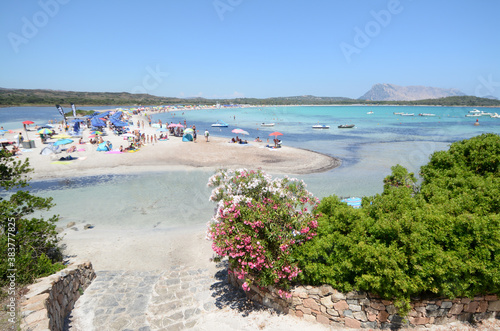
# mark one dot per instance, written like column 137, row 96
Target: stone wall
column 52, row 298
column 361, row 310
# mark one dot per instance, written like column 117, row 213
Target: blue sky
column 249, row 48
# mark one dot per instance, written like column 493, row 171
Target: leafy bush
column 258, row 223
column 442, row 238
column 29, row 245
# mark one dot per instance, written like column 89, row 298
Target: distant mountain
column 391, row 92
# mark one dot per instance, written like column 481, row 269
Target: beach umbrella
column 96, row 132
column 60, row 136
column 353, row 202
column 45, row 131
column 172, row 125
column 244, row 132
column 27, row 123
column 237, row 130
column 63, row 142
column 276, row 134
column 92, row 136
column 188, row 130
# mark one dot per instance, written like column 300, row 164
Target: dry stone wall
column 361, row 310
column 52, row 298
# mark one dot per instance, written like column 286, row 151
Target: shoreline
column 172, row 154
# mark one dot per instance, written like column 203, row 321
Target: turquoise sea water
column 179, row 198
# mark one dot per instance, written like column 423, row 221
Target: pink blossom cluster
column 258, row 223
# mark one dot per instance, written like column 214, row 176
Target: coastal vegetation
column 259, row 222
column 39, row 97
column 29, row 244
column 437, row 238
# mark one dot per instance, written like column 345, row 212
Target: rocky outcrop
column 391, row 92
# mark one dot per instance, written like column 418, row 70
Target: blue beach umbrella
column 353, row 202
column 63, row 142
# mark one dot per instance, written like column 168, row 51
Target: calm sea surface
column 180, row 198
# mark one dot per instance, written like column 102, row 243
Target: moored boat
column 220, row 124
column 407, row 114
column 320, row 126
column 346, row 126
column 426, row 114
column 267, row 124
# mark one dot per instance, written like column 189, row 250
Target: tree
column 29, row 245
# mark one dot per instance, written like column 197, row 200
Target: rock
column 352, row 323
column 494, row 305
column 327, row 302
column 336, row 296
column 446, row 304
column 360, row 316
column 88, row 226
column 70, row 224
column 341, row 305
column 457, row 308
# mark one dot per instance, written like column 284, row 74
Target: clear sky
column 249, row 48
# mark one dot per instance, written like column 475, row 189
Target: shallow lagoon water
column 180, row 198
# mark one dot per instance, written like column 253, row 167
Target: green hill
column 39, row 97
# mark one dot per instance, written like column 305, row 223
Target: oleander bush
column 259, row 222
column 441, row 237
column 29, row 246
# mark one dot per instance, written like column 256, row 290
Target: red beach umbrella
column 276, row 134
column 28, row 122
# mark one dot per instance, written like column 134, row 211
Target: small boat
column 475, row 111
column 220, row 124
column 495, row 115
column 398, row 113
column 320, row 126
column 473, row 115
column 346, row 126
column 426, row 114
column 407, row 114
column 370, row 112
column 267, row 124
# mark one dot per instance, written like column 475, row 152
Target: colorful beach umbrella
column 45, row 131
column 188, row 130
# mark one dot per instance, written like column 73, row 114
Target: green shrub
column 29, row 245
column 442, row 238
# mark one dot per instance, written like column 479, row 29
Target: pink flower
column 245, row 286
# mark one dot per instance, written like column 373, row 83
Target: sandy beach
column 172, row 154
